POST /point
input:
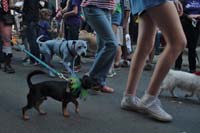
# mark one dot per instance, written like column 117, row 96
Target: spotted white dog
column 68, row 50
column 183, row 80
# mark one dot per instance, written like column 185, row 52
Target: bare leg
column 149, row 61
column 145, row 44
column 172, row 30
column 119, row 51
column 174, row 35
column 151, row 56
column 118, row 55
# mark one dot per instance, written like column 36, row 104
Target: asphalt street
column 98, row 114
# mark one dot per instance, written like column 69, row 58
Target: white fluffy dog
column 185, row 81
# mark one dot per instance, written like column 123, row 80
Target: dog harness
column 70, row 50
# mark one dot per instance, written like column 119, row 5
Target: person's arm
column 125, row 21
column 71, row 13
column 192, row 17
column 66, row 7
column 179, row 7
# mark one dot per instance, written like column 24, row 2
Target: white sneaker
column 153, row 107
column 130, row 102
column 111, row 74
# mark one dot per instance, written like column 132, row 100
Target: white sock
column 128, row 95
column 7, row 50
column 148, row 99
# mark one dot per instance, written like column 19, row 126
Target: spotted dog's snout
column 83, row 54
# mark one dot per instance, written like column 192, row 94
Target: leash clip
column 60, row 75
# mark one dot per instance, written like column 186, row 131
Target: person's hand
column 59, row 13
column 196, row 17
column 179, row 7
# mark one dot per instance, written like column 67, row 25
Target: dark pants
column 192, row 34
column 86, row 26
column 31, row 34
column 133, row 29
column 72, row 33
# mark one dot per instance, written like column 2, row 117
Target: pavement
column 98, row 114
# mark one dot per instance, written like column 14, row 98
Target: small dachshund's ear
column 89, row 83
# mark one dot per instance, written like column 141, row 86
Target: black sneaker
column 125, row 63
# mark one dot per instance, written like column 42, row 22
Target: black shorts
column 7, row 18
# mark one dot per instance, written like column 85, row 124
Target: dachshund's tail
column 30, row 75
column 38, row 39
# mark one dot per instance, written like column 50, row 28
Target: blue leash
column 75, row 82
column 60, row 75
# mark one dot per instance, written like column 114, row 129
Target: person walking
column 98, row 15
column 6, row 22
column 72, row 22
column 30, row 24
column 151, row 14
column 191, row 25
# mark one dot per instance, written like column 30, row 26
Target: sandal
column 107, row 89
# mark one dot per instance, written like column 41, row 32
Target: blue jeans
column 100, row 21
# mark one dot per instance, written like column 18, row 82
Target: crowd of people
column 109, row 21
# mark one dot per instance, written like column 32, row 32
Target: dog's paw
column 187, row 95
column 66, row 114
column 26, row 117
column 43, row 113
column 77, row 110
column 174, row 96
